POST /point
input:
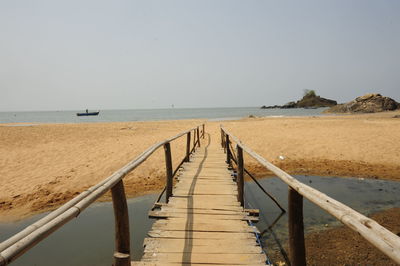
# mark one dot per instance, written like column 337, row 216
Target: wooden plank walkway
column 203, row 223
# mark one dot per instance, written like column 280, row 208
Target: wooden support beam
column 122, row 259
column 228, row 152
column 187, row 147
column 203, row 130
column 122, row 239
column 198, row 136
column 168, row 167
column 194, row 139
column 240, row 179
column 222, row 140
column 297, row 251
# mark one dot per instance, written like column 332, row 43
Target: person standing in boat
column 87, row 111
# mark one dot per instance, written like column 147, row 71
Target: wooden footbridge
column 203, row 219
column 203, row 222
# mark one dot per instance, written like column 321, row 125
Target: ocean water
column 151, row 115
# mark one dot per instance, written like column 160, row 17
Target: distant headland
column 368, row 103
column 309, row 100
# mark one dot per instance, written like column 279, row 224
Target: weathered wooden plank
column 207, row 180
column 206, row 184
column 201, row 246
column 215, row 177
column 196, row 198
column 196, row 191
column 231, row 259
column 149, row 263
column 206, row 171
column 200, row 235
column 217, row 205
column 202, row 226
column 203, row 211
column 186, row 215
column 148, row 241
column 218, row 190
column 211, row 187
column 204, row 201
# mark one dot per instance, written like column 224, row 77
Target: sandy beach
column 44, row 165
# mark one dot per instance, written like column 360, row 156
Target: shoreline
column 69, row 158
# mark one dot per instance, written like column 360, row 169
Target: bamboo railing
column 21, row 242
column 377, row 235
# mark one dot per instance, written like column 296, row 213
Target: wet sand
column 44, row 165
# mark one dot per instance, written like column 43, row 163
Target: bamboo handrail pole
column 87, row 197
column 377, row 235
column 14, row 251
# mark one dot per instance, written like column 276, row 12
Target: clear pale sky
column 65, row 55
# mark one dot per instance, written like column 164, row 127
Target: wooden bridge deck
column 203, row 223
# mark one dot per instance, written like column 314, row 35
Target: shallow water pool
column 363, row 195
column 89, row 239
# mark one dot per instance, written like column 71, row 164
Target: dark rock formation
column 310, row 100
column 289, row 105
column 369, row 103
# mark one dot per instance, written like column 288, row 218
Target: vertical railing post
column 122, row 240
column 203, row 130
column 240, row 173
column 198, row 136
column 222, row 139
column 228, row 153
column 297, row 252
column 194, row 138
column 187, row 146
column 168, row 167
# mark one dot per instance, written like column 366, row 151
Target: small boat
column 88, row 113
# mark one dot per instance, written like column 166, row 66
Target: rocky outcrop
column 369, row 103
column 310, row 100
column 314, row 101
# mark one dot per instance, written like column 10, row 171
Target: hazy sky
column 116, row 54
